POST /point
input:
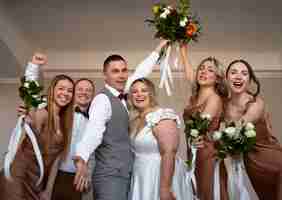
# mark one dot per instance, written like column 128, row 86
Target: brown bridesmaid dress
column 206, row 157
column 25, row 169
column 264, row 163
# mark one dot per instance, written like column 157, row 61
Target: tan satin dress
column 264, row 163
column 205, row 161
column 25, row 170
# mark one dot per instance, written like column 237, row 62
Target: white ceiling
column 86, row 24
column 92, row 25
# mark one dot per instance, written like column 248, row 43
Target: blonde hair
column 136, row 119
column 220, row 84
column 65, row 114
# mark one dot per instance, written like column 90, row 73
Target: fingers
column 39, row 59
column 81, row 176
column 21, row 110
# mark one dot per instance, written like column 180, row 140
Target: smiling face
column 238, row 77
column 207, row 74
column 142, row 94
column 63, row 92
column 84, row 93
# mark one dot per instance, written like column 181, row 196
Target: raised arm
column 145, row 68
column 167, row 136
column 32, row 68
column 189, row 72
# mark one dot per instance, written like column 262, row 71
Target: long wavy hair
column 65, row 114
column 220, row 84
column 252, row 75
column 136, row 119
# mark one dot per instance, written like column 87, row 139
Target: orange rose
column 191, row 29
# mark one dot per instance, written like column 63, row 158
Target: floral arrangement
column 175, row 24
column 30, row 93
column 235, row 140
column 195, row 127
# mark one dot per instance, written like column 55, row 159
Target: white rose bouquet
column 196, row 126
column 235, row 139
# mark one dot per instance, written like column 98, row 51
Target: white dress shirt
column 79, row 125
column 100, row 110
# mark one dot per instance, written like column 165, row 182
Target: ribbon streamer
column 13, row 147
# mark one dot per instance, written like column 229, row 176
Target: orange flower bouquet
column 175, row 24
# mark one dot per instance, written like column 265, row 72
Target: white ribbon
column 216, row 181
column 237, row 187
column 13, row 147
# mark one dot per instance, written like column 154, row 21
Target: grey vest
column 114, row 156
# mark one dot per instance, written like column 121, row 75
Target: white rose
column 249, row 126
column 194, row 133
column 36, row 83
column 206, row 116
column 230, row 131
column 217, row 135
column 250, row 133
column 26, row 85
column 165, row 13
column 183, row 22
column 35, row 96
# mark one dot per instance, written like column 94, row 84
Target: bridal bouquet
column 30, row 93
column 177, row 25
column 195, row 127
column 235, row 140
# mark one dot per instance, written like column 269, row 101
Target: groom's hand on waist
column 81, row 179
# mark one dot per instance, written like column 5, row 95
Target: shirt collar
column 114, row 91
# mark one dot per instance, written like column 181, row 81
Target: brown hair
column 112, row 58
column 220, row 85
column 66, row 117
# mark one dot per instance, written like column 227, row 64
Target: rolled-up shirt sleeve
column 99, row 114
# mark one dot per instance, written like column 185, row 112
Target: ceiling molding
column 95, row 73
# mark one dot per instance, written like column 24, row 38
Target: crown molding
column 96, row 73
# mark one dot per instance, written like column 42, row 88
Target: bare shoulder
column 257, row 104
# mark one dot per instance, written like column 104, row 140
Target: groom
column 107, row 131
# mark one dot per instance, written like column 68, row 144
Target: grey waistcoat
column 114, row 156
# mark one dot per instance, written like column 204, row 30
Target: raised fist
column 39, row 59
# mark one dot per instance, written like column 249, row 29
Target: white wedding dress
column 145, row 180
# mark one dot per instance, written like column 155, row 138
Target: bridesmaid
column 206, row 98
column 264, row 164
column 52, row 129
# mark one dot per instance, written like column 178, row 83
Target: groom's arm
column 99, row 114
column 145, row 68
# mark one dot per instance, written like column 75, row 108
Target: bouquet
column 196, row 126
column 235, row 140
column 177, row 25
column 30, row 93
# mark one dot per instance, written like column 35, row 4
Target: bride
column 158, row 174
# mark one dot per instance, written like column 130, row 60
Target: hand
column 184, row 48
column 22, row 110
column 81, row 179
column 39, row 59
column 161, row 45
column 199, row 142
column 166, row 194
